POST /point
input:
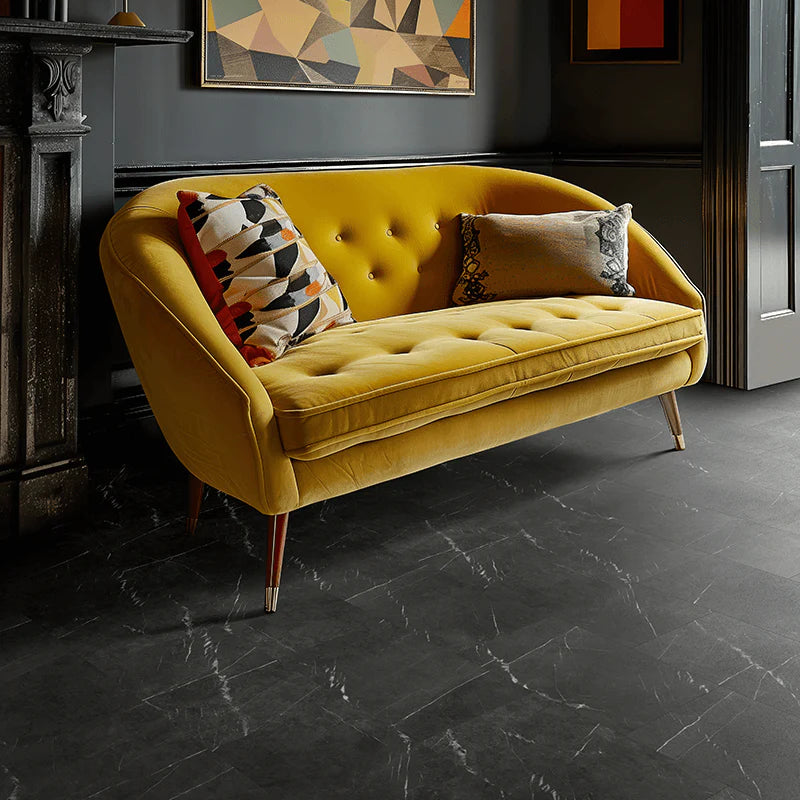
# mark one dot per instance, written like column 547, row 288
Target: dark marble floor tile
column 670, row 519
column 311, row 619
column 749, row 747
column 755, row 663
column 231, row 701
column 751, row 595
column 458, row 612
column 313, row 751
column 27, row 646
column 621, row 769
column 591, row 545
column 154, row 664
column 199, row 775
column 54, row 696
column 391, row 675
column 755, row 544
column 108, row 755
column 600, row 680
column 633, row 613
column 11, row 619
column 759, row 502
column 702, row 460
column 782, row 511
column 730, row 497
column 533, row 750
column 730, row 793
column 480, row 484
column 711, row 403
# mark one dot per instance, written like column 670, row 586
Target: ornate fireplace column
column 42, row 475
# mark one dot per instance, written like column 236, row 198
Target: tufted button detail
column 389, row 232
column 338, row 237
column 437, row 226
column 371, row 276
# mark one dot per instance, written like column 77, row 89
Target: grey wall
column 637, row 108
column 163, row 116
column 629, row 106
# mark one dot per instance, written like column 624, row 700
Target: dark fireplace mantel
column 42, row 474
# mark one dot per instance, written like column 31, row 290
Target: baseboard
column 131, row 179
column 631, row 159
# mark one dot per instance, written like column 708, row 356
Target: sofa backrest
column 211, row 407
column 390, row 237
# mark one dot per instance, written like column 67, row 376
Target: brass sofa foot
column 669, row 403
column 276, row 541
column 271, row 600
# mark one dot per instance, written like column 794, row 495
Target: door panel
column 773, row 325
column 777, row 241
column 776, row 118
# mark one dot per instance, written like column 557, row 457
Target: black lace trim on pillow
column 471, row 282
column 611, row 231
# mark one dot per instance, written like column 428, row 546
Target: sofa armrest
column 655, row 273
column 214, row 413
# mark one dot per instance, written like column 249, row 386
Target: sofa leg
column 276, row 540
column 669, row 403
column 196, row 488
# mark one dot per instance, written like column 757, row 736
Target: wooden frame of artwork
column 412, row 46
column 626, row 31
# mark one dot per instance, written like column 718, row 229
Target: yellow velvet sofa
column 415, row 381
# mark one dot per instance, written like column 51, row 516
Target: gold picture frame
column 228, row 63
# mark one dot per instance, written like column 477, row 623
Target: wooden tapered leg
column 276, row 540
column 669, row 403
column 196, row 488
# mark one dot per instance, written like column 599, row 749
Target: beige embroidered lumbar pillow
column 544, row 255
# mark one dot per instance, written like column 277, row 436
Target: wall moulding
column 131, row 179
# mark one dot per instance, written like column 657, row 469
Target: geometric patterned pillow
column 544, row 255
column 259, row 275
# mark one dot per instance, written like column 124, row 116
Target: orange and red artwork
column 644, row 31
column 377, row 45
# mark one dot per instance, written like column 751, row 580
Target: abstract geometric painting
column 626, row 31
column 354, row 45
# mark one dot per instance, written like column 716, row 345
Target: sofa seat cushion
column 379, row 378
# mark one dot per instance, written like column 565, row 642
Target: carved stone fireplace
column 42, row 474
